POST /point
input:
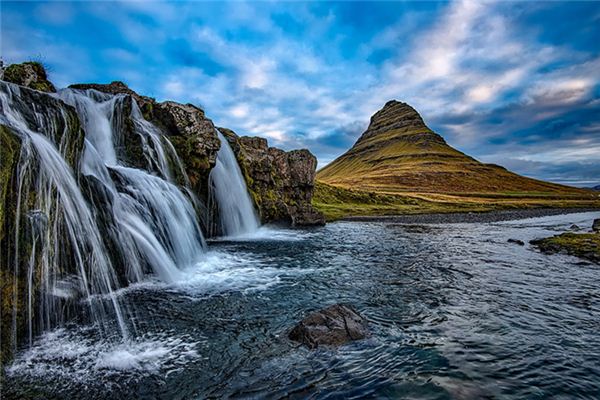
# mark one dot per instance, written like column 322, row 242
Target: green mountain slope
column 400, row 166
column 399, row 153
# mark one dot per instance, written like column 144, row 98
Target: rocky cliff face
column 32, row 173
column 21, row 218
column 281, row 183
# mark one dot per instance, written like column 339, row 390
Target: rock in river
column 596, row 225
column 334, row 325
column 516, row 241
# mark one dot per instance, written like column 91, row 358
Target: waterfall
column 154, row 218
column 88, row 226
column 62, row 228
column 236, row 212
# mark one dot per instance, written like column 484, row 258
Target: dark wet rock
column 59, row 123
column 29, row 74
column 335, row 325
column 574, row 227
column 516, row 241
column 281, row 183
column 596, row 225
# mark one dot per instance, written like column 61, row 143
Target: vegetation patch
column 583, row 245
column 337, row 202
column 31, row 74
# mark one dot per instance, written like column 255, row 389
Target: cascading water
column 48, row 194
column 154, row 218
column 141, row 216
column 228, row 187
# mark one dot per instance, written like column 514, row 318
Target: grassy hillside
column 336, row 202
column 399, row 156
column 399, row 153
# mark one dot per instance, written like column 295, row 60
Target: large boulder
column 29, row 74
column 334, row 325
column 596, row 225
column 281, row 183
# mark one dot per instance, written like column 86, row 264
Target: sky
column 511, row 83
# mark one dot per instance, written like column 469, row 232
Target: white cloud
column 240, row 110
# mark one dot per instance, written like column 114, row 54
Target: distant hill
column 399, row 153
column 596, row 188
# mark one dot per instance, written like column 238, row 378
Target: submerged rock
column 516, row 241
column 574, row 227
column 583, row 245
column 334, row 325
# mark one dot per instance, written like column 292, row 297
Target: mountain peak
column 398, row 152
column 399, row 117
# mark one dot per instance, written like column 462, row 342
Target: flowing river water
column 454, row 310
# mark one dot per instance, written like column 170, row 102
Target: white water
column 156, row 222
column 237, row 216
column 148, row 224
column 142, row 216
column 58, row 202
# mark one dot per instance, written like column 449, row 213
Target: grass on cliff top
column 584, row 245
column 337, row 202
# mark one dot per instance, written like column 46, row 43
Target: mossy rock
column 582, row 245
column 30, row 74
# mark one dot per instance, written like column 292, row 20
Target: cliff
column 186, row 126
column 281, row 183
column 57, row 222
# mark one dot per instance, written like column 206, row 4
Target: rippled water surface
column 455, row 312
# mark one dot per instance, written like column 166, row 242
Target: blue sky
column 513, row 83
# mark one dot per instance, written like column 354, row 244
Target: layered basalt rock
column 281, row 183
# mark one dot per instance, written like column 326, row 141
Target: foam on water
column 267, row 233
column 75, row 355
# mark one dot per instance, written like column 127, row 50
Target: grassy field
column 339, row 202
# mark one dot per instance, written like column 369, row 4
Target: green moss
column 18, row 73
column 9, row 154
column 583, row 245
column 336, row 203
